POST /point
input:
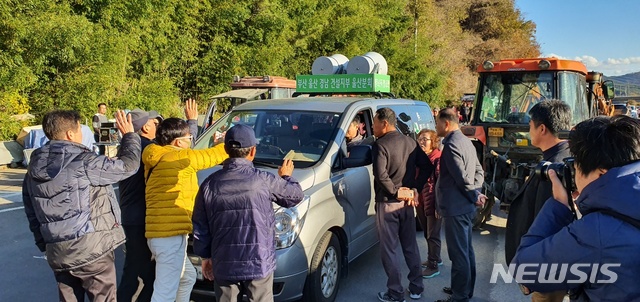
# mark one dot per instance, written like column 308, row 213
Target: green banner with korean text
column 332, row 83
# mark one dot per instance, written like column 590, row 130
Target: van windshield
column 299, row 135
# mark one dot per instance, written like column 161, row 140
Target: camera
column 565, row 170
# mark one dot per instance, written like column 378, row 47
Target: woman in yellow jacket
column 172, row 184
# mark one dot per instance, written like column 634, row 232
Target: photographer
column 548, row 118
column 600, row 249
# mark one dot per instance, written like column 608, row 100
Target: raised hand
column 191, row 109
column 123, row 122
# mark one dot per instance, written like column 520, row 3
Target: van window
column 422, row 117
column 299, row 135
column 404, row 119
column 365, row 127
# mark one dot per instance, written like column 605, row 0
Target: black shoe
column 448, row 299
column 447, row 290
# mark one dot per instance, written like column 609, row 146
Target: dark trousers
column 137, row 263
column 260, row 290
column 97, row 280
column 458, row 233
column 431, row 226
column 396, row 224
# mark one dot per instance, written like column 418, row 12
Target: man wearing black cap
column 137, row 263
column 238, row 197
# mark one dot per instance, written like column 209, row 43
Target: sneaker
column 415, row 296
column 430, row 272
column 385, row 297
column 447, row 290
column 424, row 264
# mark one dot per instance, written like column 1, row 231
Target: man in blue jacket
column 457, row 195
column 234, row 222
column 600, row 250
column 72, row 208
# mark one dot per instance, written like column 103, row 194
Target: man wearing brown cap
column 137, row 263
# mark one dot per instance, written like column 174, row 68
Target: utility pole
column 415, row 28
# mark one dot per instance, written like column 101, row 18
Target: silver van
column 335, row 223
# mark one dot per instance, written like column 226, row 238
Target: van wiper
column 265, row 163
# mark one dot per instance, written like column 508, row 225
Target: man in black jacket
column 548, row 118
column 72, row 209
column 137, row 262
column 395, row 158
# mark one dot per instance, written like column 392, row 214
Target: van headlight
column 289, row 222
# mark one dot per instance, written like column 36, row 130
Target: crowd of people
column 78, row 222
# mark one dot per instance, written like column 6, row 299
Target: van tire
column 323, row 280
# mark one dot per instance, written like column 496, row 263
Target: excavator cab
column 499, row 128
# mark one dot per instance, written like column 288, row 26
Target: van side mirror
column 608, row 90
column 359, row 155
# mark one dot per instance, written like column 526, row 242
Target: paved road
column 26, row 276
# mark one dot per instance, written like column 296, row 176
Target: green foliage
column 11, row 104
column 154, row 54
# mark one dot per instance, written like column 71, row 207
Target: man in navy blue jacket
column 72, row 208
column 457, row 195
column 599, row 251
column 234, row 222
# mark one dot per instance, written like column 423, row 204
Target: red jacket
column 428, row 194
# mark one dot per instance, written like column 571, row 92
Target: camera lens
column 542, row 169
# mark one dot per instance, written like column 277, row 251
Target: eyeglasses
column 424, row 139
column 188, row 137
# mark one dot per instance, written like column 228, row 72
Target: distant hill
column 630, row 78
column 627, row 84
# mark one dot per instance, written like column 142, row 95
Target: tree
column 154, row 54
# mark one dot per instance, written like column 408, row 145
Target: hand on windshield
column 218, row 137
column 286, row 169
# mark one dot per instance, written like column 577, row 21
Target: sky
column 604, row 35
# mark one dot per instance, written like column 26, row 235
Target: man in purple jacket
column 234, row 222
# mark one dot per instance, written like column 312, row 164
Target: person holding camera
column 599, row 250
column 548, row 118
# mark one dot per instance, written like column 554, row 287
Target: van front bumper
column 288, row 279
